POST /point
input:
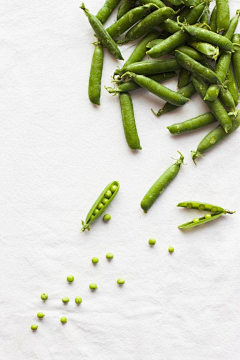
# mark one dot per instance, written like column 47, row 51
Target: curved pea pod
column 236, row 59
column 196, row 205
column 157, row 89
column 196, row 68
column 209, row 50
column 148, row 23
column 102, row 34
column 160, row 185
column 192, row 124
column 188, row 91
column 213, row 138
column 232, row 27
column 106, row 10
column 226, row 98
column 125, row 7
column 231, row 85
column 215, row 106
column 202, row 220
column 150, row 67
column 223, row 15
column 105, row 199
column 95, row 79
column 213, row 20
column 196, row 13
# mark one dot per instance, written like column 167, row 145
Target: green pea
column 109, row 256
column 113, row 188
column 44, row 296
column 189, row 205
column 208, row 216
column 93, row 286
column 214, row 209
column 95, row 260
column 65, row 299
column 34, row 327
column 108, row 194
column 104, row 201
column 70, row 278
column 92, row 217
column 152, row 241
column 96, row 211
column 107, row 217
column 40, row 315
column 63, row 320
column 100, row 206
column 201, row 207
column 120, row 281
column 78, row 300
column 196, row 220
column 171, row 249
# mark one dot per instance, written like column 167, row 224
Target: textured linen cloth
column 58, row 152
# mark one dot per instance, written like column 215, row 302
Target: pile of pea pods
column 202, row 46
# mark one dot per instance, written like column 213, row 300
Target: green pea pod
column 211, row 51
column 204, row 17
column 107, row 9
column 196, row 205
column 150, row 67
column 188, row 91
column 184, row 78
column 156, row 89
column 160, row 185
column 213, row 20
column 213, row 138
column 202, row 220
column 169, row 44
column 170, row 26
column 192, row 124
column 232, row 27
column 125, row 7
column 148, row 23
column 128, row 120
column 196, row 13
column 231, row 85
column 184, row 49
column 196, row 68
column 101, row 204
column 159, row 3
column 102, row 34
column 226, row 98
column 215, row 106
column 128, row 20
column 95, row 79
column 223, row 15
column 236, row 59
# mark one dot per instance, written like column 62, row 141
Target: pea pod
column 125, row 7
column 102, row 34
column 160, row 185
column 95, row 79
column 192, row 124
column 232, row 27
column 101, row 204
column 184, row 49
column 209, row 50
column 226, row 98
column 213, row 138
column 106, row 10
column 184, row 78
column 156, row 89
column 159, row 3
column 236, row 59
column 202, row 220
column 170, row 26
column 150, row 67
column 213, row 20
column 196, row 205
column 204, row 17
column 223, row 15
column 231, row 85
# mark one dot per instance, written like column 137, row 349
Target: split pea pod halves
column 197, row 205
column 160, row 185
column 95, row 79
column 102, row 34
column 101, row 204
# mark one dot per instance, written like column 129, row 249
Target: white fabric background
column 58, row 152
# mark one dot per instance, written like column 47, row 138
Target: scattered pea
column 95, row 260
column 40, row 315
column 70, row 278
column 63, row 320
column 120, row 281
column 108, row 194
column 171, row 249
column 78, row 300
column 93, row 286
column 107, row 217
column 152, row 241
column 44, row 296
column 208, row 216
column 65, row 299
column 196, row 220
column 34, row 327
column 109, row 256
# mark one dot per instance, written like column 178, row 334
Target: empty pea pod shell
column 196, row 205
column 202, row 220
column 97, row 210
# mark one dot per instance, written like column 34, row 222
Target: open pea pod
column 200, row 221
column 203, row 206
column 101, row 204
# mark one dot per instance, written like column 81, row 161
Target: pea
column 196, row 220
column 120, row 281
column 92, row 217
column 171, row 249
column 152, row 241
column 100, row 206
column 95, row 260
column 44, row 296
column 96, row 211
column 208, row 216
column 40, row 315
column 108, row 194
column 201, row 207
column 113, row 188
column 65, row 299
column 34, row 327
column 78, row 300
column 107, row 217
column 63, row 320
column 70, row 278
column 109, row 256
column 104, row 201
column 93, row 286
column 214, row 209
